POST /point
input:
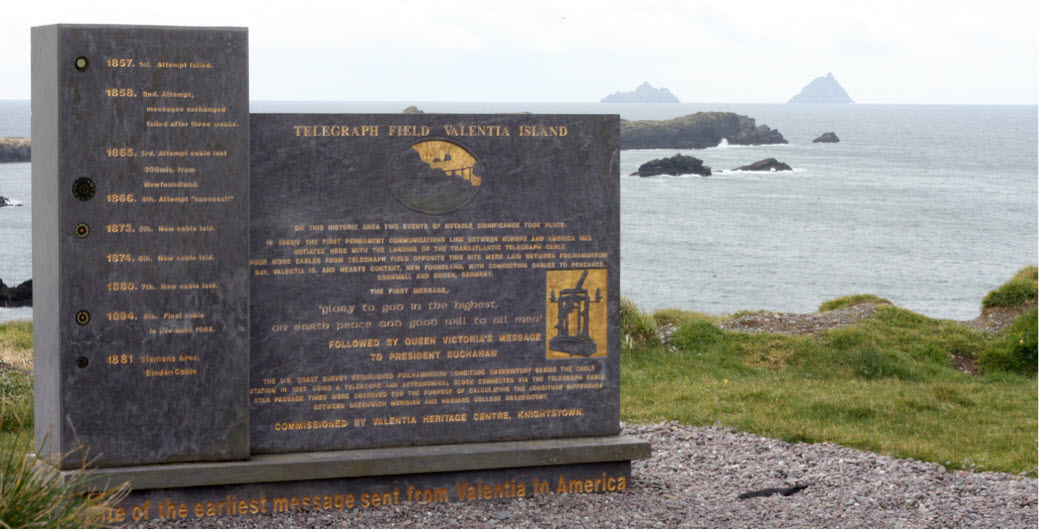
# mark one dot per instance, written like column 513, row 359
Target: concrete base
column 369, row 478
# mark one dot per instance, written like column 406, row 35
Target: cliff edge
column 697, row 131
column 15, row 149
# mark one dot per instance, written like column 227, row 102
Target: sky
column 725, row 51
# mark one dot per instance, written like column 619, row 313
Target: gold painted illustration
column 434, row 176
column 575, row 314
column 449, row 158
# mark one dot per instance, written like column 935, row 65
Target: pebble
column 678, row 488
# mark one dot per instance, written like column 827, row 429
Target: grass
column 887, row 384
column 16, row 383
column 1021, row 289
column 638, row 329
column 850, row 300
column 38, row 497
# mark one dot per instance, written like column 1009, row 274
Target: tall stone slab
column 140, row 231
column 433, row 279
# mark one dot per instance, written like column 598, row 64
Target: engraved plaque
column 140, row 230
column 433, row 279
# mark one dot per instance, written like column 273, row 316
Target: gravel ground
column 695, row 477
column 799, row 323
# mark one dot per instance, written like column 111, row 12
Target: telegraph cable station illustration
column 576, row 320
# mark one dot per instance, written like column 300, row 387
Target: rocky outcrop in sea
column 697, row 131
column 20, row 296
column 826, row 138
column 4, row 201
column 645, row 93
column 15, row 149
column 677, row 165
column 768, row 164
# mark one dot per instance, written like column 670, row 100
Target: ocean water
column 928, row 206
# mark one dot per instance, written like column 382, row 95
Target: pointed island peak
column 645, row 93
column 823, row 89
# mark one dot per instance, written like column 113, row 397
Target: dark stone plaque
column 433, row 279
column 140, row 233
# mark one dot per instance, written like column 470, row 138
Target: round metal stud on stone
column 84, row 189
column 83, row 317
column 82, row 362
column 82, row 230
column 82, row 64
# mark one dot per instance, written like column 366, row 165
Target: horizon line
column 412, row 102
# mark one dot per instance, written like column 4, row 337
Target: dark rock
column 697, row 131
column 826, row 138
column 645, row 93
column 786, row 492
column 4, row 201
column 413, row 110
column 677, row 165
column 20, row 296
column 768, row 164
column 824, row 89
column 15, row 150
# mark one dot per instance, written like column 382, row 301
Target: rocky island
column 15, row 149
column 697, row 131
column 645, row 93
column 677, row 165
column 826, row 138
column 823, row 89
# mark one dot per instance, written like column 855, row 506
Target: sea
column 929, row 206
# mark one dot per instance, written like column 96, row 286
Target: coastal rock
column 768, row 164
column 4, row 201
column 697, row 131
column 826, row 138
column 20, row 296
column 412, row 110
column 677, row 165
column 824, row 89
column 15, row 149
column 645, row 93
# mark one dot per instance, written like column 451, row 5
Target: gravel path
column 695, row 477
column 799, row 323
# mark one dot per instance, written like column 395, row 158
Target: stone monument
column 255, row 313
column 140, row 244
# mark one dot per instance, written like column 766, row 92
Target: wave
column 792, row 170
column 726, row 145
column 13, row 202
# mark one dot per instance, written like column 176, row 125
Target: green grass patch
column 949, row 418
column 16, row 335
column 1021, row 289
column 850, row 300
column 1015, row 349
column 16, row 416
column 887, row 384
column 638, row 330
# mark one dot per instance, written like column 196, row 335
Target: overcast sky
column 521, row 50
